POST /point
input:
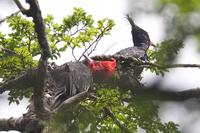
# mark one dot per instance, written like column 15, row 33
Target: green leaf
column 164, row 54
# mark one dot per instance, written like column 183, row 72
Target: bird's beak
column 88, row 59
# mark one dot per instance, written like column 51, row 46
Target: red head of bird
column 102, row 70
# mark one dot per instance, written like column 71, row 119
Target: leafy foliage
column 184, row 18
column 132, row 112
column 184, row 6
column 75, row 30
column 22, row 41
column 164, row 54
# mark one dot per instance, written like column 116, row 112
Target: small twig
column 78, row 30
column 96, row 41
column 8, row 17
column 117, row 122
column 73, row 54
column 111, row 115
column 148, row 64
column 85, row 47
column 181, row 65
column 93, row 49
column 98, row 37
column 109, row 48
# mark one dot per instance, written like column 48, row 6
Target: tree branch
column 157, row 93
column 73, row 100
column 154, row 92
column 146, row 64
column 181, row 66
column 35, row 12
column 19, row 5
column 8, row 17
column 38, row 92
column 73, row 54
column 10, row 124
column 8, row 51
column 27, row 123
column 23, row 81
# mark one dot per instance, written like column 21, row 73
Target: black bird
column 141, row 42
column 130, row 73
column 75, row 78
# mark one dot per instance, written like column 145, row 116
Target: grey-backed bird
column 74, row 77
column 130, row 73
column 141, row 42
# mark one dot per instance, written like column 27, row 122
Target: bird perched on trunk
column 75, row 77
column 130, row 73
column 102, row 70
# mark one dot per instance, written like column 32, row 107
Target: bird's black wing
column 78, row 78
column 132, row 52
